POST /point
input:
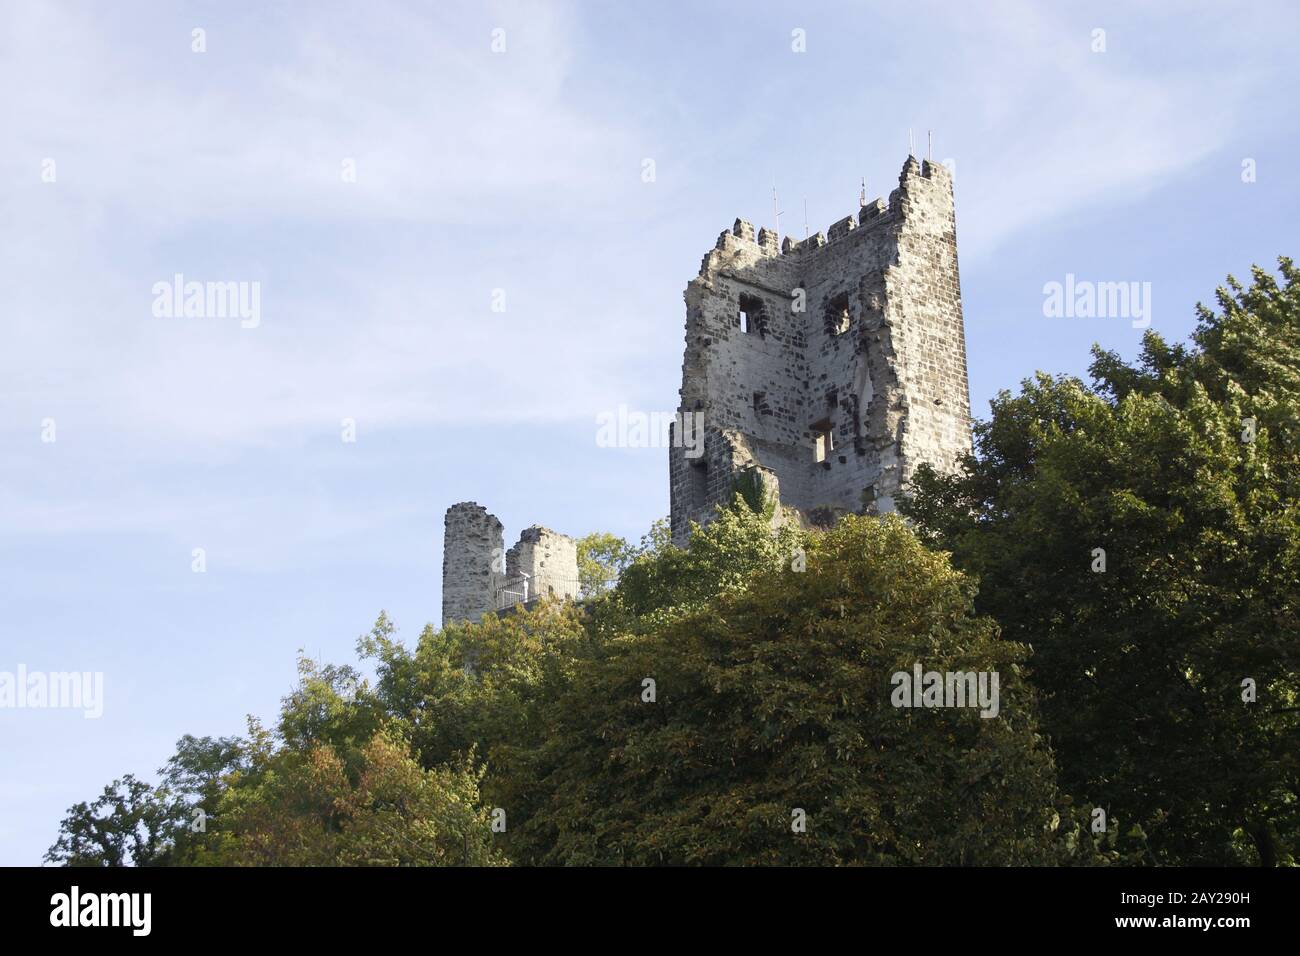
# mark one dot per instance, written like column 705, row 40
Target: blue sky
column 521, row 171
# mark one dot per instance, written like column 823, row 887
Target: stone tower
column 831, row 367
column 473, row 562
column 479, row 576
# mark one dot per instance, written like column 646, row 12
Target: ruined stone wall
column 550, row 560
column 857, row 332
column 472, row 562
column 479, row 576
column 923, row 304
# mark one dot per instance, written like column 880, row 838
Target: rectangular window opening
column 838, row 316
column 699, row 482
column 823, row 440
column 751, row 313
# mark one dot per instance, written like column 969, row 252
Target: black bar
column 335, row 905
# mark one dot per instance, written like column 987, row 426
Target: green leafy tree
column 308, row 808
column 664, row 582
column 774, row 698
column 476, row 686
column 330, row 705
column 130, row 824
column 135, row 824
column 601, row 558
column 193, row 781
column 1143, row 535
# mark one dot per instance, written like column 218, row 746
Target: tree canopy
column 1142, row 534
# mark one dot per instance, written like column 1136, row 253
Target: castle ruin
column 827, row 369
column 479, row 576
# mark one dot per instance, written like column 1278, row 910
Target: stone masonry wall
column 479, row 576
column 550, row 560
column 876, row 356
column 472, row 562
column 923, row 306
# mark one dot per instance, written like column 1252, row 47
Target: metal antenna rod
column 805, row 217
column 776, row 211
column 911, row 150
column 929, row 144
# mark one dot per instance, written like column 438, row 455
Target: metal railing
column 523, row 588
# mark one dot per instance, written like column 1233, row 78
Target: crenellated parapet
column 923, row 175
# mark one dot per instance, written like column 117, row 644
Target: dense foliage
column 1167, row 667
column 773, row 700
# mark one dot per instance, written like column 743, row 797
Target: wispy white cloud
column 230, row 162
column 1050, row 127
column 442, row 129
column 475, row 171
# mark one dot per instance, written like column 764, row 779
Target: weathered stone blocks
column 480, row 577
column 856, row 373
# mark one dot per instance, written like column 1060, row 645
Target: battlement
column 833, row 365
column 916, row 174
